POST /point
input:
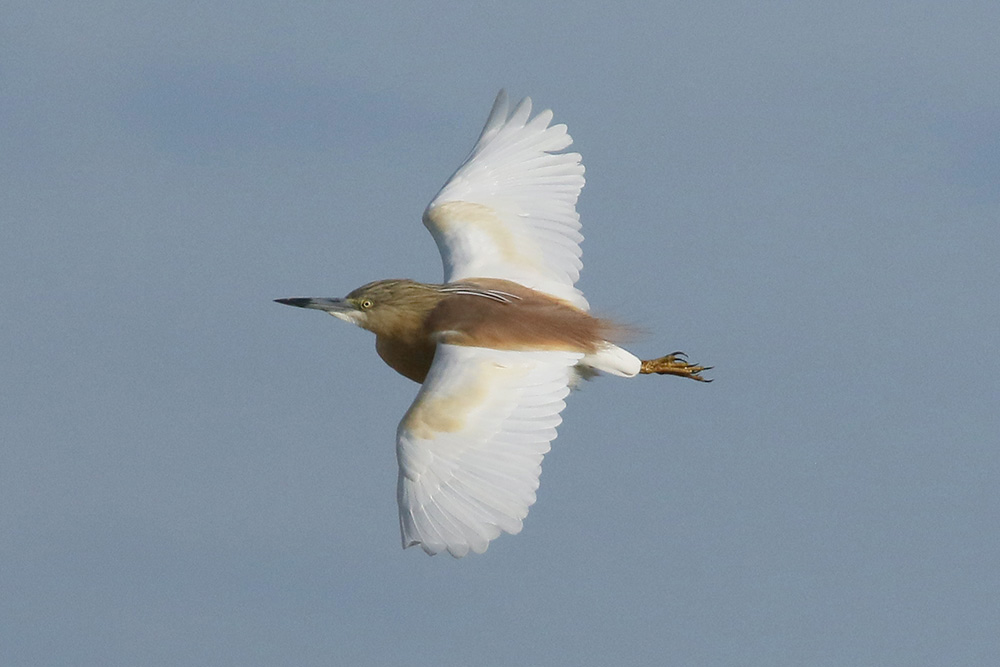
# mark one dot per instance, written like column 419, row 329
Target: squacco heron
column 497, row 346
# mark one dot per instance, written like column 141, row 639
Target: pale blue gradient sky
column 805, row 195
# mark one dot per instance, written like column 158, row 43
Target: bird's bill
column 332, row 306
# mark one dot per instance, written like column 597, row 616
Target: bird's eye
column 366, row 304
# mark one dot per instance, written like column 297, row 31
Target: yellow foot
column 674, row 364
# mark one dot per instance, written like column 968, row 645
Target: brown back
column 532, row 321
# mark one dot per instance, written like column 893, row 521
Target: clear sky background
column 804, row 195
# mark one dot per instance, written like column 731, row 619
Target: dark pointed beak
column 328, row 305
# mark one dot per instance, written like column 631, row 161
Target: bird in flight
column 497, row 345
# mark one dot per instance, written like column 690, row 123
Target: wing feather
column 510, row 210
column 470, row 447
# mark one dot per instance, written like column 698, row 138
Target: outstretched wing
column 470, row 447
column 510, row 210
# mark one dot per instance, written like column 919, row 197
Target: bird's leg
column 674, row 364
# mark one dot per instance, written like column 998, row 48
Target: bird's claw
column 675, row 364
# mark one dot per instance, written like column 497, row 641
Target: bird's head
column 383, row 306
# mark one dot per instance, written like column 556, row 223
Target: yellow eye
column 366, row 304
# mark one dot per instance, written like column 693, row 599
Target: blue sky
column 804, row 195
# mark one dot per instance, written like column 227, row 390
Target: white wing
column 510, row 210
column 470, row 447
